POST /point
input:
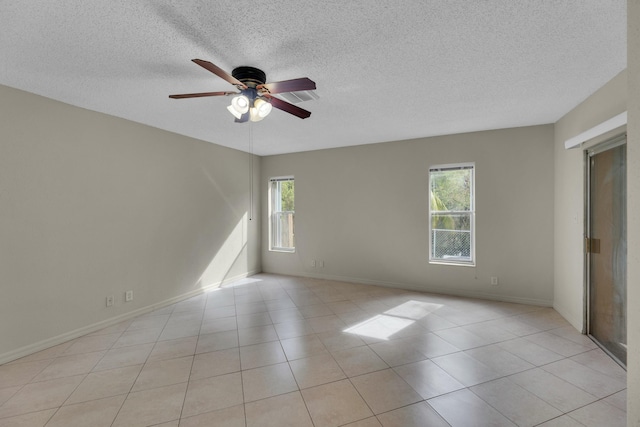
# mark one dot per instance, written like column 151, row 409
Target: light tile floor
column 283, row 351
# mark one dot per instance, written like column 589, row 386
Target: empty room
column 281, row 213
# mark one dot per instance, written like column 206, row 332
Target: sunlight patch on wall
column 232, row 251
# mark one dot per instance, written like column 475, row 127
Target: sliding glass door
column 607, row 247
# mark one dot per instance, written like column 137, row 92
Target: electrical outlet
column 128, row 296
column 494, row 281
column 313, row 263
column 109, row 300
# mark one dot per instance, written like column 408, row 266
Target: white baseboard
column 434, row 289
column 576, row 323
column 59, row 339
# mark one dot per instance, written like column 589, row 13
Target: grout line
column 304, row 294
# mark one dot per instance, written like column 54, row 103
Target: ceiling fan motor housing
column 250, row 93
column 250, row 76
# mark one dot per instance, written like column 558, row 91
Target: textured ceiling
column 385, row 70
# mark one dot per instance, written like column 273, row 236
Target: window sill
column 453, row 263
column 283, row 250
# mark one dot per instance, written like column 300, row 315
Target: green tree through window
column 287, row 189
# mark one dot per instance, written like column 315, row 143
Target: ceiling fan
column 255, row 99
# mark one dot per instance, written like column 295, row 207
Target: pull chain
column 251, row 172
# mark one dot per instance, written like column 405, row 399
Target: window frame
column 471, row 212
column 273, row 213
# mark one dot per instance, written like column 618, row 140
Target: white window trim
column 273, row 248
column 472, row 250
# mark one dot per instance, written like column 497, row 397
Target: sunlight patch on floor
column 392, row 321
column 380, row 326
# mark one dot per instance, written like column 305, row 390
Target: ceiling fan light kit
column 260, row 110
column 254, row 102
column 249, row 102
column 235, row 112
column 240, row 104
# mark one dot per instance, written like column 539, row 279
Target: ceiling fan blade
column 198, row 95
column 219, row 72
column 293, row 85
column 289, row 108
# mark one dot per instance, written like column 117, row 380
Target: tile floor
column 283, row 351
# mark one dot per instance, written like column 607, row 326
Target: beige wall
column 633, row 217
column 363, row 212
column 569, row 202
column 92, row 205
column 620, row 94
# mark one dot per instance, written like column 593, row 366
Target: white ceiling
column 385, row 70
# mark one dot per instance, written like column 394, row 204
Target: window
column 452, row 214
column 282, row 235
